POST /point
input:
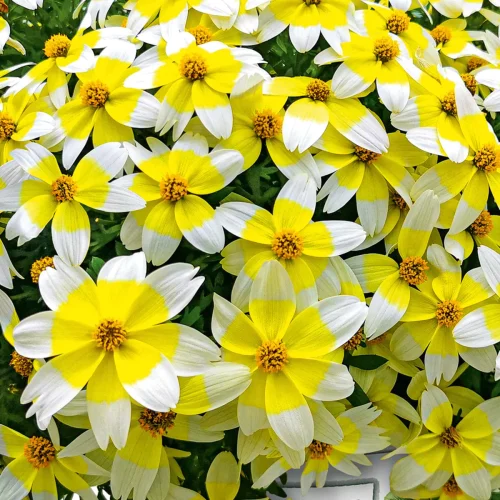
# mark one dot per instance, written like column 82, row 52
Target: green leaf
column 366, row 361
column 358, row 397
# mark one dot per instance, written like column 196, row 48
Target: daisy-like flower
column 36, row 466
column 449, row 450
column 287, row 236
column 380, row 59
column 366, row 174
column 50, row 194
column 356, row 436
column 198, row 78
column 391, row 281
column 286, row 354
column 120, row 348
column 307, row 19
column 432, row 313
column 475, row 176
column 171, row 182
column 21, row 121
column 307, row 118
column 103, row 105
column 64, row 55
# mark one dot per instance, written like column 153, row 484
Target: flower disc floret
column 39, row 452
column 412, row 270
column 399, row 201
column 449, row 313
column 7, row 126
column 267, row 124
column 288, row 244
column 173, row 187
column 21, row 365
column 39, row 266
column 451, row 487
column 4, row 8
column 470, row 82
column 483, row 225
column 94, row 94
column 450, row 438
column 365, row 155
column 487, row 158
column 312, row 2
column 318, row 90
column 57, row 46
column 110, row 334
column 193, row 67
column 271, row 356
column 441, row 34
column 319, row 450
column 475, row 62
column 202, row 34
column 386, row 49
column 355, row 341
column 64, row 188
column 398, row 22
column 157, row 423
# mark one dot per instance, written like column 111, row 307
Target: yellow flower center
column 4, row 8
column 487, row 158
column 271, row 356
column 483, row 225
column 319, row 450
column 475, row 62
column 39, row 266
column 267, row 124
column 312, row 2
column 193, row 67
column 449, row 313
column 450, row 438
column 355, row 341
column 451, row 487
column 449, row 104
column 399, row 201
column 386, row 49
column 173, row 187
column 157, row 423
column 398, row 22
column 318, row 90
column 365, row 155
column 57, row 46
column 412, row 270
column 202, row 34
column 110, row 334
column 94, row 94
column 39, row 452
column 64, row 188
column 441, row 34
column 21, row 365
column 288, row 244
column 470, row 82
column 7, row 126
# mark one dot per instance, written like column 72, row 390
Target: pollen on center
column 312, row 2
column 39, row 266
column 157, row 423
column 365, row 155
column 470, row 82
column 110, row 334
column 21, row 365
column 202, row 34
column 441, row 34
column 386, row 49
column 398, row 22
column 450, row 438
column 318, row 90
column 288, row 244
column 449, row 104
column 193, row 67
column 64, row 188
column 483, row 225
column 39, row 452
column 355, row 341
column 7, row 126
column 399, row 201
column 487, row 158
column 173, row 187
column 412, row 270
column 271, row 356
column 267, row 124
column 449, row 313
column 57, row 46
column 94, row 94
column 319, row 450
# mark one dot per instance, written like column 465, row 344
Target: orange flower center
column 4, row 8
column 39, row 266
column 398, row 22
column 451, row 487
column 487, row 158
column 64, row 188
column 319, row 450
column 39, row 452
column 7, row 126
column 267, row 124
column 441, row 34
column 193, row 67
column 94, row 94
column 271, row 356
column 288, row 244
column 318, row 90
column 483, row 225
column 157, row 423
column 110, row 334
column 475, row 62
column 450, row 438
column 399, row 201
column 355, row 341
column 57, row 46
column 312, row 2
column 173, row 187
column 449, row 104
column 202, row 34
column 21, row 365
column 470, row 82
column 365, row 155
column 386, row 49
column 412, row 270
column 449, row 313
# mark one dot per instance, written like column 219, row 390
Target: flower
column 170, row 182
column 366, row 174
column 307, row 119
column 37, row 465
column 52, row 195
column 449, row 448
column 120, row 348
column 285, row 355
column 103, row 105
column 287, row 236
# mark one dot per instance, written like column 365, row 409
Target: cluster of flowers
column 292, row 344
